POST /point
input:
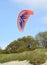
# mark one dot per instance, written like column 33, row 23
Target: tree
column 1, row 50
column 42, row 38
column 21, row 43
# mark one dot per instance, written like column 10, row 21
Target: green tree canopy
column 18, row 44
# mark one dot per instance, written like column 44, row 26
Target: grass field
column 35, row 57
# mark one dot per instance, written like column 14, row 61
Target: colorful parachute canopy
column 22, row 18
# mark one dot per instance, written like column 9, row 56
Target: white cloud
column 44, row 20
column 33, row 3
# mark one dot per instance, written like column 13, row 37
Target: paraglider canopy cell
column 22, row 18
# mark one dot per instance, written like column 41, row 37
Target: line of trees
column 27, row 43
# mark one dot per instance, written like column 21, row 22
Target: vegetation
column 42, row 39
column 35, row 57
column 21, row 45
column 24, row 44
column 26, row 48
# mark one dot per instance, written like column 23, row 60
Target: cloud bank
column 33, row 3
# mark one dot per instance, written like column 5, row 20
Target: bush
column 38, row 57
column 35, row 57
column 1, row 51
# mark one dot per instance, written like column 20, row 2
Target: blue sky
column 9, row 10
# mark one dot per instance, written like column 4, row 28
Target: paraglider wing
column 22, row 18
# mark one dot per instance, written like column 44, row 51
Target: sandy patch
column 46, row 53
column 20, row 63
column 17, row 63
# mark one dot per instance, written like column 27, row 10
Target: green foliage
column 1, row 51
column 42, row 39
column 4, row 52
column 35, row 57
column 21, row 45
